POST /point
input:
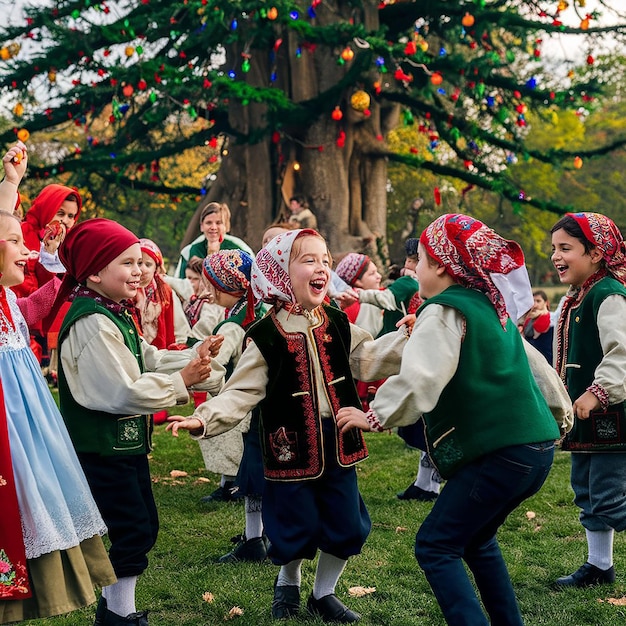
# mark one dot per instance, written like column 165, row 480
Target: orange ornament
column 23, row 135
column 272, row 13
column 436, row 78
column 336, row 114
column 468, row 20
column 128, row 90
column 347, row 54
column 578, row 162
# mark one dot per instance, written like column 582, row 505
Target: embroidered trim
column 374, row 422
column 601, row 393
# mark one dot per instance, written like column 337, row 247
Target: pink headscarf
column 152, row 250
column 270, row 280
column 352, row 267
column 477, row 257
column 602, row 232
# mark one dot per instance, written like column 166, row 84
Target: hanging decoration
column 360, row 101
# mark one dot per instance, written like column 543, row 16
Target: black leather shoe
column 286, row 601
column 251, row 550
column 134, row 619
column 229, row 492
column 416, row 493
column 587, row 575
column 331, row 609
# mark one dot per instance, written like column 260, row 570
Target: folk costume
column 199, row 246
column 298, row 368
column 473, row 379
column 110, row 381
column 591, row 356
column 51, row 550
column 155, row 303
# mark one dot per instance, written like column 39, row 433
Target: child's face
column 309, row 272
column 270, row 233
column 213, row 227
column 15, row 252
column 410, row 263
column 148, row 270
column 119, row 280
column 539, row 304
column 67, row 213
column 195, row 279
column 370, row 279
column 573, row 265
column 430, row 275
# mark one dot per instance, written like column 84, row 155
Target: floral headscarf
column 352, row 267
column 228, row 271
column 270, row 280
column 477, row 257
column 602, row 232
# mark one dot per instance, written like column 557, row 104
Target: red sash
column 14, row 583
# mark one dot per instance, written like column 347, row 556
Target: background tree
column 300, row 96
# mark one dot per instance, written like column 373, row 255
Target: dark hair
column 195, row 264
column 542, row 294
column 573, row 229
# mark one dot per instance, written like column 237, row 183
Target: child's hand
column 348, row 417
column 53, row 236
column 409, row 321
column 210, row 347
column 346, row 298
column 196, row 370
column 178, row 422
column 14, row 162
column 585, row 404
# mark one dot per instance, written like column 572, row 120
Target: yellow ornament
column 23, row 135
column 52, row 76
column 360, row 100
column 18, row 109
column 129, row 51
column 14, row 49
column 562, row 5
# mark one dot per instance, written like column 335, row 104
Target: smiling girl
column 50, row 531
column 298, row 367
column 589, row 253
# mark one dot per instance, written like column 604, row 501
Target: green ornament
column 245, row 102
column 153, row 97
column 340, row 61
column 193, row 114
column 139, row 49
column 245, row 66
column 408, row 117
column 510, row 56
column 503, row 114
column 126, row 23
column 75, row 14
column 480, row 89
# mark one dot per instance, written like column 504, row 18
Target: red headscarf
column 602, row 232
column 43, row 210
column 477, row 257
column 88, row 248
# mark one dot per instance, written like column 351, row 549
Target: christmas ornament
column 360, row 101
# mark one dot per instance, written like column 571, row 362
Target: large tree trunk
column 344, row 186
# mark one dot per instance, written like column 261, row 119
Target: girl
column 537, row 328
column 298, row 369
column 154, row 298
column 489, row 431
column 588, row 252
column 51, row 529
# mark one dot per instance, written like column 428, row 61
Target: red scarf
column 13, row 575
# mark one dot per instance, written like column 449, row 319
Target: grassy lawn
column 183, row 564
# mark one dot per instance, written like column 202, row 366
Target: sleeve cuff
column 373, row 421
column 601, row 393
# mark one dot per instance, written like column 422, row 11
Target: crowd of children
column 444, row 353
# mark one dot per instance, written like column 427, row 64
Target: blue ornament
column 232, row 74
column 294, row 15
column 531, row 83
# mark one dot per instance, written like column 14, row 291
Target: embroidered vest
column 492, row 400
column 604, row 430
column 291, row 425
column 98, row 431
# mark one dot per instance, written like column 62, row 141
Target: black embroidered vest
column 291, row 425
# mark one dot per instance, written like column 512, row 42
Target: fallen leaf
column 617, row 601
column 203, row 479
column 531, row 515
column 234, row 612
column 207, row 596
column 401, row 529
column 178, row 474
column 358, row 592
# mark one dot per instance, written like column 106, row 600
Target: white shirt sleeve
column 611, row 372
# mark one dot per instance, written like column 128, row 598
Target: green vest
column 292, row 439
column 604, row 430
column 492, row 400
column 403, row 289
column 98, row 431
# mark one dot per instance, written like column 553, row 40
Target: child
column 466, row 372
column 154, row 298
column 214, row 226
column 297, row 368
column 50, row 529
column 588, row 252
column 537, row 328
column 109, row 383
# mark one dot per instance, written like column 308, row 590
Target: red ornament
column 437, row 195
column 337, row 114
column 128, row 90
column 410, row 48
column 590, row 60
column 399, row 74
column 142, row 84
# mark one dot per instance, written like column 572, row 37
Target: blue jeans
column 462, row 525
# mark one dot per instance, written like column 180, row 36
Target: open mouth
column 318, row 286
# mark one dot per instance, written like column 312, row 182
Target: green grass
column 183, row 563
